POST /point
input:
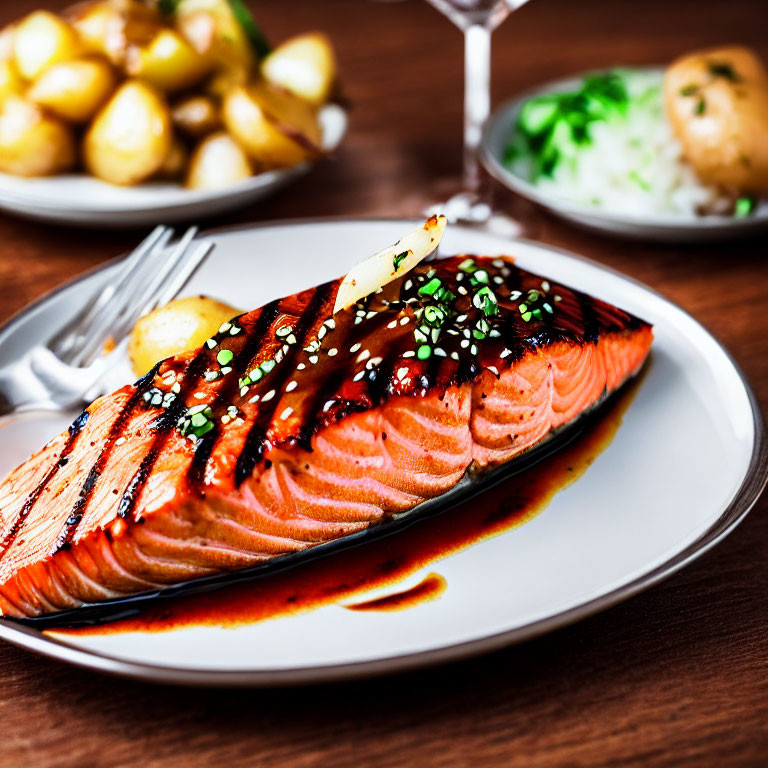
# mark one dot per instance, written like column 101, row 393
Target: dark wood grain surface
column 677, row 676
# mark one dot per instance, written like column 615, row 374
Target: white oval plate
column 685, row 466
column 82, row 200
column 500, row 127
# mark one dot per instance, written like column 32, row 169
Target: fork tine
column 187, row 270
column 103, row 322
column 66, row 343
column 140, row 302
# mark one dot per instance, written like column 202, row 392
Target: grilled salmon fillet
column 295, row 426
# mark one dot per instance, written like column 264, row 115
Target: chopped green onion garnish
column 743, row 207
column 429, row 288
column 424, row 352
column 225, row 356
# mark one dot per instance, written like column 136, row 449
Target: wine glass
column 476, row 19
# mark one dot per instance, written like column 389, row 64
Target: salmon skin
column 294, row 430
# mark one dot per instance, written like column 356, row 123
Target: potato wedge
column 304, row 65
column 276, row 129
column 10, row 81
column 112, row 27
column 717, row 102
column 179, row 326
column 197, row 115
column 391, row 263
column 40, row 40
column 212, row 29
column 169, row 62
column 129, row 140
column 74, row 90
column 31, row 142
column 219, row 161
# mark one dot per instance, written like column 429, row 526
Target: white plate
column 685, row 466
column 501, row 126
column 82, row 200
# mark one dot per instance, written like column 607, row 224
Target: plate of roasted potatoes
column 132, row 112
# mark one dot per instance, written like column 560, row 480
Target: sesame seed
column 332, row 352
column 330, row 322
column 321, row 333
column 498, row 263
column 409, row 353
column 284, row 331
column 243, row 391
column 498, row 279
column 462, row 290
column 408, row 285
column 176, row 388
column 291, row 339
column 405, row 320
column 454, row 355
column 393, row 324
column 313, row 359
column 401, row 373
column 199, row 395
column 225, row 419
column 234, row 330
column 464, row 343
column 452, row 331
column 268, row 396
column 461, row 318
column 364, row 355
column 279, row 355
column 355, row 347
column 440, row 352
column 328, row 405
column 211, row 343
column 505, row 353
column 473, row 349
column 373, row 362
column 370, row 315
column 300, row 367
column 493, row 369
column 224, row 327
column 358, row 376
column 286, row 413
column 255, row 399
column 291, row 386
column 120, row 441
column 358, row 320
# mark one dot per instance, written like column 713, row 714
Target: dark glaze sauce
column 429, row 588
column 389, row 560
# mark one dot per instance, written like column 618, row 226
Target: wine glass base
column 469, row 208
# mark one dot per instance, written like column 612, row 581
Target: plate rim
column 595, row 218
column 749, row 491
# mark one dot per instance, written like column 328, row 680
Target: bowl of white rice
column 617, row 168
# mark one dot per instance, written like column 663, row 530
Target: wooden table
column 677, row 676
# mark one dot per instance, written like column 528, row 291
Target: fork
column 65, row 371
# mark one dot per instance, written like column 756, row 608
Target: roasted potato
column 275, row 128
column 304, row 65
column 113, row 26
column 717, row 102
column 129, row 140
column 74, row 90
column 181, row 325
column 31, row 142
column 197, row 116
column 219, row 161
column 10, row 81
column 169, row 62
column 40, row 40
column 212, row 29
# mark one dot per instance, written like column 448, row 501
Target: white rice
column 634, row 165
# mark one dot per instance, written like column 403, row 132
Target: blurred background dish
column 182, row 107
column 678, row 154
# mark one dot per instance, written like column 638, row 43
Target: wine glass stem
column 477, row 99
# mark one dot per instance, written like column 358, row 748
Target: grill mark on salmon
column 256, row 442
column 74, row 430
column 165, row 423
column 241, row 362
column 348, row 426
